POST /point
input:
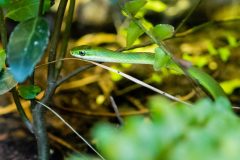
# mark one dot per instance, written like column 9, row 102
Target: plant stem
column 3, row 30
column 54, row 41
column 72, row 74
column 20, row 109
column 40, row 126
column 40, row 8
column 65, row 38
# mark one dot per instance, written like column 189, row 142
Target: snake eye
column 82, row 53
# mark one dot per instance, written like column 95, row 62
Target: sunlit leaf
column 224, row 53
column 133, row 6
column 2, row 59
column 233, row 42
column 156, row 6
column 21, row 10
column 231, row 85
column 28, row 92
column 7, row 81
column 26, row 46
column 211, row 49
column 133, row 32
column 162, row 31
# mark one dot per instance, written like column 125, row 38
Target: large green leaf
column 21, row 10
column 26, row 46
column 2, row 59
column 7, row 81
column 133, row 32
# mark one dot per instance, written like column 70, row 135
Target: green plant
column 207, row 130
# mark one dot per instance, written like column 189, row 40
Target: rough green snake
column 158, row 59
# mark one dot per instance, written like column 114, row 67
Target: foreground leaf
column 21, row 10
column 162, row 31
column 29, row 92
column 26, row 46
column 133, row 32
column 7, row 81
column 173, row 132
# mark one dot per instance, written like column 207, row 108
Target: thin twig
column 187, row 16
column 105, row 114
column 115, row 108
column 73, row 73
column 21, row 110
column 69, row 126
column 139, row 82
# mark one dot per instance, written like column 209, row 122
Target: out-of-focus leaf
column 162, row 31
column 29, row 92
column 4, row 2
column 207, row 127
column 233, row 42
column 26, row 46
column 231, row 85
column 2, row 59
column 133, row 6
column 211, row 49
column 133, row 32
column 79, row 156
column 21, row 10
column 224, row 53
column 156, row 6
column 7, row 81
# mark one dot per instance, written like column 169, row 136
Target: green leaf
column 162, row 31
column 224, row 53
column 134, row 6
column 28, row 92
column 26, row 47
column 162, row 59
column 2, row 59
column 4, row 2
column 133, row 32
column 156, row 6
column 183, row 131
column 21, row 10
column 7, row 81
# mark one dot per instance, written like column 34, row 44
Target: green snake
column 158, row 60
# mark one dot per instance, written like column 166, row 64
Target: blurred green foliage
column 207, row 130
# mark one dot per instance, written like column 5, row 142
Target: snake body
column 157, row 60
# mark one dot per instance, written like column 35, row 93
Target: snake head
column 80, row 51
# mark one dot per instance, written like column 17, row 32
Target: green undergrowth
column 207, row 130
